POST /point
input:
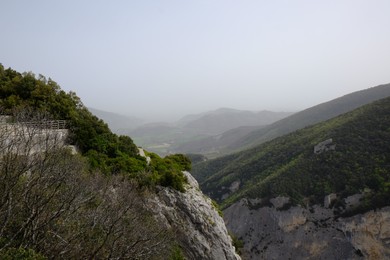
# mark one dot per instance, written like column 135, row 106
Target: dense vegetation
column 52, row 207
column 246, row 136
column 107, row 152
column 214, row 146
column 306, row 117
column 288, row 166
column 91, row 205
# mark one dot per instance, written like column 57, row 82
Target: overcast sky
column 167, row 58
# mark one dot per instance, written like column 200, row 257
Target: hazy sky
column 166, row 58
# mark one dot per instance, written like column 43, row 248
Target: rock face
column 324, row 146
column 31, row 138
column 271, row 232
column 370, row 233
column 199, row 228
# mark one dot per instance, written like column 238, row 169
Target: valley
column 308, row 185
column 198, row 133
column 71, row 188
column 303, row 186
column 195, row 130
column 309, row 194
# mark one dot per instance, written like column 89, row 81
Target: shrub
column 20, row 254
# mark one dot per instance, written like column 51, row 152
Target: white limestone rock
column 199, row 228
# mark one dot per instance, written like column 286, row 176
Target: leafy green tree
column 106, row 152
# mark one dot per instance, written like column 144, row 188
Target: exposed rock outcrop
column 329, row 199
column 324, row 146
column 141, row 153
column 199, row 228
column 32, row 137
column 271, row 232
column 369, row 233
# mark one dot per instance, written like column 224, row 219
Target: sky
column 162, row 59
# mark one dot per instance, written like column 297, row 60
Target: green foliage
column 172, row 179
column 168, row 171
column 237, row 243
column 20, row 254
column 196, row 158
column 217, row 208
column 90, row 134
column 176, row 253
column 179, row 161
column 311, row 116
column 106, row 152
column 288, row 166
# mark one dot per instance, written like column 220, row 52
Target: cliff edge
column 199, row 229
column 281, row 231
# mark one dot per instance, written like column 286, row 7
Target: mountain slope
column 212, row 145
column 311, row 116
column 221, row 120
column 165, row 138
column 356, row 157
column 59, row 203
column 117, row 123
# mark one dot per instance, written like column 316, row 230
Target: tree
column 51, row 205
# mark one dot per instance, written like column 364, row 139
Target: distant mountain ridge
column 118, row 123
column 165, row 138
column 319, row 192
column 240, row 138
column 222, row 120
column 213, row 145
column 311, row 116
column 354, row 157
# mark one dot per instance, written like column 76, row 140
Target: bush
column 20, row 254
column 177, row 253
column 174, row 179
column 180, row 161
column 237, row 243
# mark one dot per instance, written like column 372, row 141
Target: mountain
column 63, row 174
column 360, row 140
column 222, row 120
column 117, row 123
column 212, row 146
column 217, row 112
column 321, row 192
column 310, row 116
column 165, row 138
column 241, row 138
column 281, row 231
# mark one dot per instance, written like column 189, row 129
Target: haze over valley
column 208, row 129
column 167, row 137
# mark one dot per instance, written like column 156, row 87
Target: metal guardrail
column 52, row 124
column 49, row 124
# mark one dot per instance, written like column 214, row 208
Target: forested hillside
column 106, row 151
column 224, row 119
column 354, row 158
column 88, row 205
column 308, row 117
column 118, row 123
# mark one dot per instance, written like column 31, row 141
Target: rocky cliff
column 199, row 229
column 276, row 230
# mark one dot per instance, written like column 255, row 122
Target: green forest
column 56, row 204
column 106, row 151
column 288, row 166
column 304, row 118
